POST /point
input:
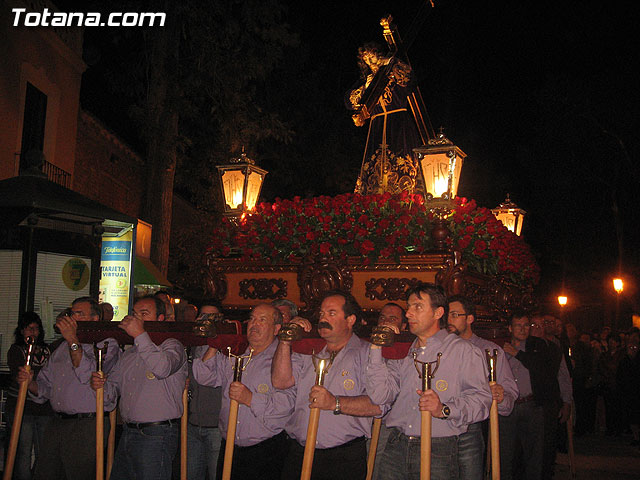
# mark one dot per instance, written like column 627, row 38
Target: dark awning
column 34, row 200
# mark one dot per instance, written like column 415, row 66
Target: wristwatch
column 74, row 347
column 446, row 411
column 337, row 410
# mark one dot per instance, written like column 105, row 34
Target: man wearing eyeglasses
column 462, row 314
column 524, row 429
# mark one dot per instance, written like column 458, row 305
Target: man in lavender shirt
column 150, row 379
column 260, row 440
column 460, row 318
column 459, row 394
column 346, row 409
column 70, row 438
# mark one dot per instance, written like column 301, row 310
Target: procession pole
column 183, row 434
column 100, row 352
column 425, row 428
column 373, row 448
column 494, row 434
column 17, row 417
column 321, row 366
column 233, row 416
column 111, row 441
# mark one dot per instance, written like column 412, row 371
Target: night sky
column 540, row 95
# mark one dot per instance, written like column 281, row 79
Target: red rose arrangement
column 372, row 227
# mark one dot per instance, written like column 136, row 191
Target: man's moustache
column 326, row 325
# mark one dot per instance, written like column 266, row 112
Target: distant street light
column 241, row 183
column 618, row 285
column 562, row 300
column 510, row 215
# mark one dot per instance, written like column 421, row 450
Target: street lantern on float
column 241, row 182
column 562, row 300
column 440, row 164
column 510, row 215
column 618, row 285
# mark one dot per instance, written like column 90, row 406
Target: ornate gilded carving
column 314, row 279
column 263, row 288
column 452, row 276
column 388, row 288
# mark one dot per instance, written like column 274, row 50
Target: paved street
column 602, row 458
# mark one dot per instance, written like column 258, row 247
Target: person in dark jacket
column 36, row 416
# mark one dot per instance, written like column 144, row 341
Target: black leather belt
column 69, row 416
column 152, row 424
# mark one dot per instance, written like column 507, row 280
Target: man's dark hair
column 468, row 305
column 350, row 307
column 393, row 304
column 94, row 305
column 435, row 293
column 437, row 298
column 26, row 319
column 160, row 307
column 518, row 313
column 209, row 302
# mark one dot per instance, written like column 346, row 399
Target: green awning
column 146, row 273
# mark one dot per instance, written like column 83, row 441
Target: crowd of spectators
column 606, row 381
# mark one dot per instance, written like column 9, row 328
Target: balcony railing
column 56, row 174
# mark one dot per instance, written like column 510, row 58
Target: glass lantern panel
column 435, row 168
column 233, row 184
column 456, row 169
column 254, row 183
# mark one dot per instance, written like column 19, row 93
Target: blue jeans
column 203, row 447
column 31, row 435
column 145, row 453
column 400, row 459
column 471, row 452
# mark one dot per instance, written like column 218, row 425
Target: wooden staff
column 494, row 434
column 373, row 448
column 426, row 373
column 233, row 415
column 100, row 353
column 17, row 417
column 425, row 428
column 572, row 457
column 183, row 434
column 321, row 365
column 111, row 442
